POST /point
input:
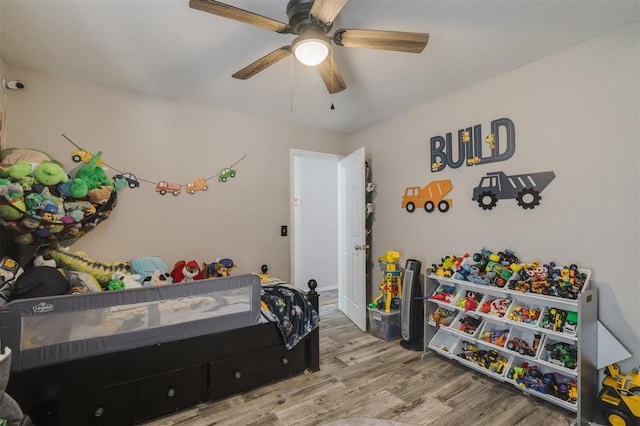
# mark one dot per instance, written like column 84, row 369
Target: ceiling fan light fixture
column 311, row 50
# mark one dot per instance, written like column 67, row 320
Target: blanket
column 294, row 315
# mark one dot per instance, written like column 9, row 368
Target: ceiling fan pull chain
column 332, row 74
column 291, row 83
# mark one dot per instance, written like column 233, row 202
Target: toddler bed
column 122, row 357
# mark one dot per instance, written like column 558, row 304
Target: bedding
column 290, row 310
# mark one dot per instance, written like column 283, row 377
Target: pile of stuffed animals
column 56, row 270
column 40, row 202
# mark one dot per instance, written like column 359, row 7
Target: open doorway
column 314, row 219
column 328, row 227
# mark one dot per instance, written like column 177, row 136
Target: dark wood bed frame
column 140, row 384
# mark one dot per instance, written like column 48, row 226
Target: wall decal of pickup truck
column 524, row 188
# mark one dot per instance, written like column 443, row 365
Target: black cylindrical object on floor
column 412, row 307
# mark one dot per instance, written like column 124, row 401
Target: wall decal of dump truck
column 525, row 189
column 428, row 196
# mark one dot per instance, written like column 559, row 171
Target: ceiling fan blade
column 327, row 10
column 262, row 63
column 241, row 15
column 331, row 75
column 385, row 40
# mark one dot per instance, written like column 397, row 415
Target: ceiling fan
column 311, row 21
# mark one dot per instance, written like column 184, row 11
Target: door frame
column 341, row 217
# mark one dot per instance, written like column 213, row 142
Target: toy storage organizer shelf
column 543, row 345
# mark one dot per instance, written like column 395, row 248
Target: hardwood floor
column 362, row 376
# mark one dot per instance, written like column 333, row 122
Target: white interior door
column 352, row 292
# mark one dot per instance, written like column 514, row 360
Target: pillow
column 146, row 266
column 13, row 155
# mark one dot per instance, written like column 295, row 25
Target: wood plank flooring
column 362, row 376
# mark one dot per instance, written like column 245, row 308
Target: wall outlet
column 283, row 231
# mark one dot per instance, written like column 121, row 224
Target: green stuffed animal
column 78, row 188
column 50, row 174
column 93, row 174
column 17, row 171
column 12, row 205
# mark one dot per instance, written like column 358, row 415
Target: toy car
column 225, row 174
column 132, row 181
column 562, row 354
column 521, row 346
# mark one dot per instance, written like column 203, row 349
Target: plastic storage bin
column 384, row 325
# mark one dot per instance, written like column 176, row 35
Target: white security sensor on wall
column 12, row 84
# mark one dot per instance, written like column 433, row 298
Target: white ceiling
column 165, row 48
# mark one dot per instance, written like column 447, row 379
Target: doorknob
column 362, row 247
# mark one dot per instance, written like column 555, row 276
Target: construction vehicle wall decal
column 428, row 197
column 525, row 188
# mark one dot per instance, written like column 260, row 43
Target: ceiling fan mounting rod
column 300, row 19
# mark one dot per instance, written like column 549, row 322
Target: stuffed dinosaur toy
column 92, row 174
column 80, row 261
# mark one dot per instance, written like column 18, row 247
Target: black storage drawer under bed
column 233, row 375
column 113, row 405
column 134, row 401
column 169, row 392
column 278, row 362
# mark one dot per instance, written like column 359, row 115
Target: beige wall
column 575, row 113
column 4, row 69
column 162, row 139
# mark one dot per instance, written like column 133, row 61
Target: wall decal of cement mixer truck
column 428, row 197
column 524, row 188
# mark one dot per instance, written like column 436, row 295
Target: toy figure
column 391, row 282
column 219, row 268
column 491, row 140
column 157, row 278
column 471, row 302
column 184, row 272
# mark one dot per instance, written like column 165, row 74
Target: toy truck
column 620, row 397
column 199, row 184
column 163, row 187
column 428, row 196
column 83, row 155
column 525, row 189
